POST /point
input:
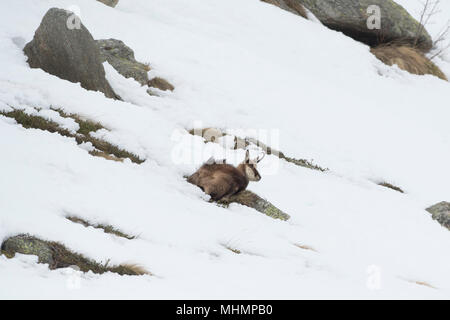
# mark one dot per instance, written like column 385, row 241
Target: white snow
column 236, row 64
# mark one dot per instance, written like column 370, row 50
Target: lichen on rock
column 441, row 213
column 252, row 200
column 350, row 17
column 121, row 57
column 58, row 256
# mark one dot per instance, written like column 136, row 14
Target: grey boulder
column 121, row 57
column 62, row 46
column 350, row 17
column 29, row 245
column 441, row 213
column 111, row 3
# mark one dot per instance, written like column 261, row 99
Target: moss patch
column 86, row 126
column 105, row 227
column 211, row 135
column 36, row 122
column 58, row 256
column 109, row 148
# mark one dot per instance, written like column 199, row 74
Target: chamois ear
column 247, row 157
column 211, row 160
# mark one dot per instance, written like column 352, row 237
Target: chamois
column 224, row 180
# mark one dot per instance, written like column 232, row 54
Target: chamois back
column 224, row 180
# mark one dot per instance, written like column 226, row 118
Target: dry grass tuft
column 104, row 149
column 407, row 58
column 147, row 67
column 106, row 228
column 161, row 84
column 104, row 155
column 234, row 250
column 390, row 186
column 135, row 269
column 305, row 247
column 421, row 283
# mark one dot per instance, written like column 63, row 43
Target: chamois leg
column 227, row 197
column 215, row 193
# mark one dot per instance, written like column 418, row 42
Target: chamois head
column 249, row 167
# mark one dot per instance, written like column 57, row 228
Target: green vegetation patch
column 82, row 136
column 58, row 256
column 35, row 122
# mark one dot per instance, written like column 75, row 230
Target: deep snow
column 237, row 65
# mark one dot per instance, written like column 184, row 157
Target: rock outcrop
column 351, row 16
column 25, row 244
column 121, row 57
column 111, row 3
column 441, row 213
column 252, row 200
column 62, row 46
column 293, row 6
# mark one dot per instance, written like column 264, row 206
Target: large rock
column 350, row 17
column 121, row 57
column 29, row 245
column 252, row 200
column 111, row 3
column 62, row 46
column 441, row 213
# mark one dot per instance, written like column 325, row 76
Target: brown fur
column 224, row 180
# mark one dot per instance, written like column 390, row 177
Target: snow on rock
column 327, row 97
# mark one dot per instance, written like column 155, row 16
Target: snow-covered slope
column 236, row 64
